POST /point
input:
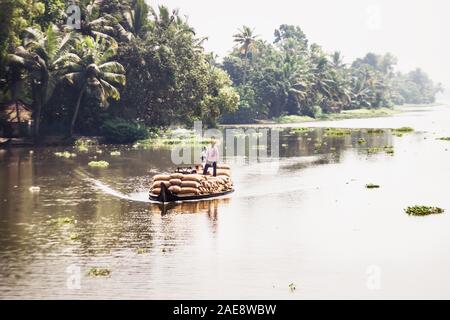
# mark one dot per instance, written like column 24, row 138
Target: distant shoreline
column 288, row 121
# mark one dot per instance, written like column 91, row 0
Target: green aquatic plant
column 65, row 154
column 362, row 141
column 62, row 221
column 337, row 132
column 372, row 186
column 374, row 150
column 387, row 149
column 300, row 130
column 444, row 138
column 168, row 141
column 292, row 287
column 99, row 272
column 375, row 131
column 82, row 149
column 141, row 250
column 423, row 210
column 83, row 144
column 403, row 130
column 98, row 164
column 74, row 236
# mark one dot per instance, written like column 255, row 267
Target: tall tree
column 90, row 71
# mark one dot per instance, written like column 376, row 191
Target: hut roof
column 8, row 112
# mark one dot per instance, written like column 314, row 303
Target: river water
column 312, row 224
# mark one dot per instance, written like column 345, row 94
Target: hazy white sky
column 416, row 31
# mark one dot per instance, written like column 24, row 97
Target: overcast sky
column 416, row 31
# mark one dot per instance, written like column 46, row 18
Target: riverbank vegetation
column 129, row 70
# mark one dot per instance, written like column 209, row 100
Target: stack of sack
column 193, row 184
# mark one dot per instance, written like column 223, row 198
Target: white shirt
column 212, row 154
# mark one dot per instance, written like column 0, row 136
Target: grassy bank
column 171, row 138
column 346, row 114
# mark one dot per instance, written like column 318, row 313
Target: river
column 310, row 229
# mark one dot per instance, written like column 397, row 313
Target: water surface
column 312, row 223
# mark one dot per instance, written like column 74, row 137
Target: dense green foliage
column 121, row 131
column 130, row 65
column 126, row 61
column 293, row 77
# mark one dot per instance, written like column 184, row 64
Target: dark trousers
column 207, row 166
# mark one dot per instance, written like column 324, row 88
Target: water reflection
column 209, row 207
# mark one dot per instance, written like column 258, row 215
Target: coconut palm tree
column 135, row 21
column 44, row 48
column 90, row 71
column 245, row 39
column 246, row 42
column 169, row 23
column 20, row 65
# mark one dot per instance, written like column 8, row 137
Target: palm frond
column 114, row 78
column 109, row 90
column 113, row 67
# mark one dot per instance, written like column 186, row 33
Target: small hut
column 15, row 119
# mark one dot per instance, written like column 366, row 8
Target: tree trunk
column 244, row 76
column 37, row 106
column 14, row 91
column 75, row 114
column 41, row 91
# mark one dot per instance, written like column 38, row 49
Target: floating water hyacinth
column 423, row 210
column 62, row 221
column 300, row 130
column 387, row 149
column 375, row 131
column 337, row 132
column 98, row 164
column 74, row 236
column 82, row 148
column 99, row 272
column 65, row 154
column 292, row 287
column 403, row 130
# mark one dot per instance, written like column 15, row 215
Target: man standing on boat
column 212, row 156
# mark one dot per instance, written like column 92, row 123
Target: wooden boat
column 166, row 196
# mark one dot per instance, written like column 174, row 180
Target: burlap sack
column 161, row 177
column 175, row 189
column 175, row 182
column 193, row 177
column 223, row 166
column 156, row 191
column 190, row 184
column 177, row 175
column 222, row 172
column 185, row 191
column 157, row 184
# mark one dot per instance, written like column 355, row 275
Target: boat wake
column 106, row 189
